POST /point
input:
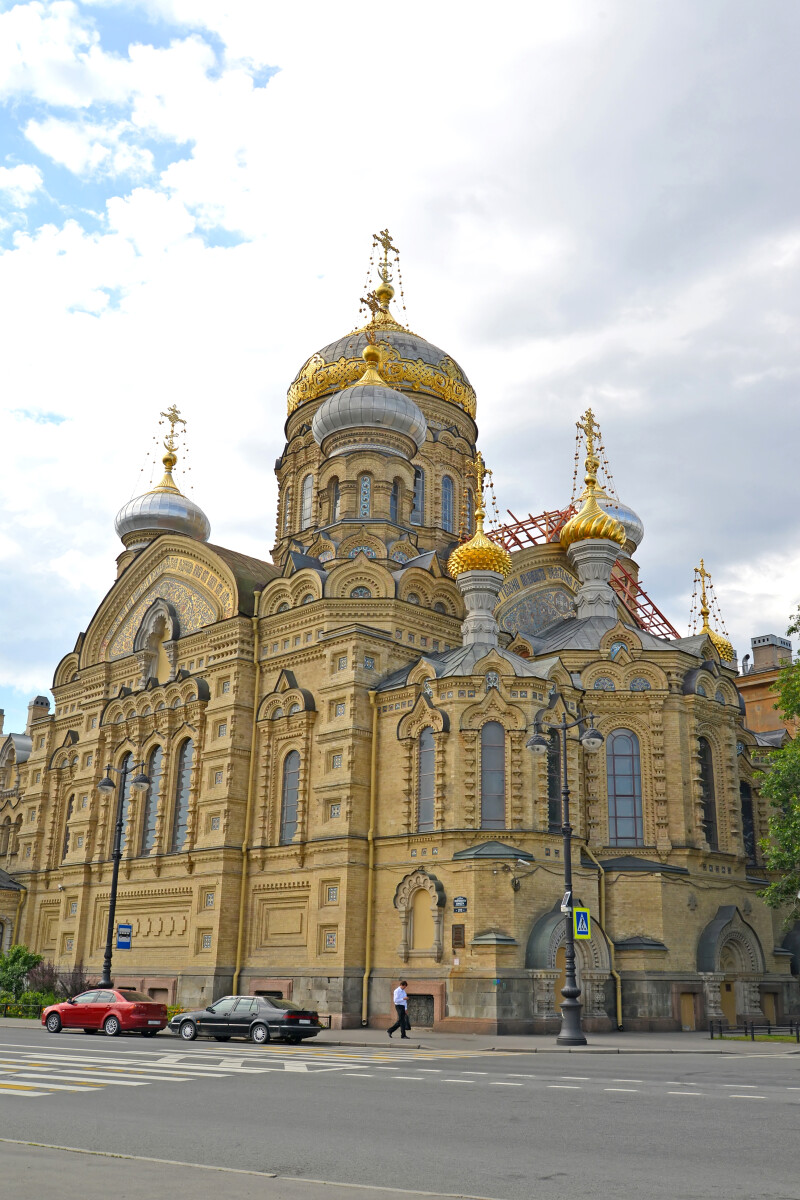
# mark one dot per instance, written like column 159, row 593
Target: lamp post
column 571, row 1033
column 139, row 783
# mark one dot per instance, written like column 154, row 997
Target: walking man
column 401, row 1007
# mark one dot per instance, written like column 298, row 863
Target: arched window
column 180, row 816
column 5, row 831
column 493, row 776
column 447, row 503
column 365, row 496
column 306, row 497
column 748, row 821
column 360, row 593
column 707, row 796
column 150, row 806
column 427, row 765
column 418, row 511
column 470, row 511
column 291, row 786
column 624, row 775
column 394, row 502
column 127, row 766
column 70, row 810
column 287, row 510
column 554, row 817
column 336, row 500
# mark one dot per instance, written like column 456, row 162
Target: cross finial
column 174, row 417
column 384, row 239
column 588, row 426
column 703, row 575
column 372, row 302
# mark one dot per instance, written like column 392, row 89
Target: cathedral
column 332, row 747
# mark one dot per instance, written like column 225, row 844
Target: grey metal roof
column 8, row 884
column 163, row 510
column 22, row 746
column 586, row 633
column 463, row 660
column 494, row 849
column 639, row 943
column 629, row 862
column 772, row 737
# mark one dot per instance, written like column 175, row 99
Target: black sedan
column 259, row 1018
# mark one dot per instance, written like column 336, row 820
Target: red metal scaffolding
column 536, row 531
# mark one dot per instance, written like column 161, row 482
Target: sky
column 596, row 203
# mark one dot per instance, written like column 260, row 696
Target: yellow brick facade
column 283, row 709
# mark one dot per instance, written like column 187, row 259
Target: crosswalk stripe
column 20, row 1087
column 43, row 1080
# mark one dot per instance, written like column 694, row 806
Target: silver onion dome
column 369, row 405
column 160, row 511
column 630, row 521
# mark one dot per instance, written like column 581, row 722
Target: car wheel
column 149, row 1032
column 219, row 1037
column 111, row 1026
column 53, row 1023
column 188, row 1031
column 259, row 1033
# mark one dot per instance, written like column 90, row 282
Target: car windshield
column 137, row 998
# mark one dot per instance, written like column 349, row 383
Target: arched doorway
column 730, row 966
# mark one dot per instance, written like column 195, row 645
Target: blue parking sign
column 124, row 934
column 581, row 923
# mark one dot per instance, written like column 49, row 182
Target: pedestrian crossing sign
column 581, row 923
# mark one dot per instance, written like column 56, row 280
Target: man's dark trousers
column 402, row 1019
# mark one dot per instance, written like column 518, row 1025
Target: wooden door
column 727, row 991
column 768, row 1006
column 687, row 1012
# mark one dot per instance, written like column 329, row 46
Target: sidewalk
column 481, row 1043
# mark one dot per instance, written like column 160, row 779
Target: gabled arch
column 66, row 669
column 729, row 928
column 548, row 934
column 424, row 713
column 493, row 707
column 361, row 572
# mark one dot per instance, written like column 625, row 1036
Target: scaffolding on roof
column 538, row 530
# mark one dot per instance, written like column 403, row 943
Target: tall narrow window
column 70, row 810
column 470, row 512
column 127, row 766
column 748, row 821
column 336, row 500
column 418, row 511
column 447, row 503
column 306, row 497
column 150, row 806
column 291, row 786
column 624, row 775
column 493, row 776
column 554, row 817
column 365, row 496
column 427, row 757
column 180, row 817
column 287, row 510
column 394, row 502
column 707, row 796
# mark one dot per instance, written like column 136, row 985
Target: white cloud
column 21, row 183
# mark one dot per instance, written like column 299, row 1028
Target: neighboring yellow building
column 341, row 792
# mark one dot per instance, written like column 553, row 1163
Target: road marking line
column 418, row 1078
column 43, row 1080
column 470, row 1081
column 474, row 1072
column 566, row 1087
column 505, row 1083
column 741, row 1085
column 113, row 1082
column 685, row 1093
column 746, row 1096
column 628, row 1081
column 620, row 1090
column 358, row 1075
column 427, row 1070
column 20, row 1087
column 576, row 1078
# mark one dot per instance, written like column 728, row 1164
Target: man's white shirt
column 400, row 996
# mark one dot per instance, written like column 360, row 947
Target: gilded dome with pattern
column 408, row 364
column 480, row 553
column 722, row 645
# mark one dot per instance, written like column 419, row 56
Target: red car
column 114, row 1010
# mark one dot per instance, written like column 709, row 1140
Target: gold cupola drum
column 479, row 567
column 593, row 538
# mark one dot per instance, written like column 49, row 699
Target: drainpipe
column 371, row 862
column 609, row 943
column 251, row 781
column 22, row 897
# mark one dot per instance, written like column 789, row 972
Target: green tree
column 14, row 966
column 781, row 784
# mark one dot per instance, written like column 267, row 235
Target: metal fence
column 10, row 1008
column 753, row 1029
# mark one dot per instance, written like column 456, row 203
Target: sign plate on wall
column 581, row 923
column 124, row 935
column 460, row 904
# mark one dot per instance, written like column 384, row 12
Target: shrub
column 75, row 980
column 43, row 978
column 14, row 966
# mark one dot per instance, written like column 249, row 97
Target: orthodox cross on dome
column 372, row 302
column 591, row 430
column 709, row 607
column 173, row 416
column 384, row 239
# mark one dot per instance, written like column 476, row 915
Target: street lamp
column 139, row 783
column 591, row 739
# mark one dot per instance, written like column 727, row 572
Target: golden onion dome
column 723, row 646
column 591, row 521
column 480, row 553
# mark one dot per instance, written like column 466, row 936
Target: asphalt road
column 496, row 1125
